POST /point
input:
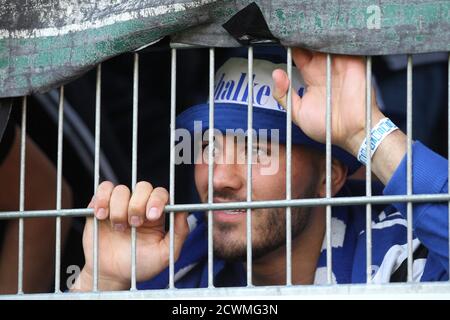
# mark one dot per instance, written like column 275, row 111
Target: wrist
column 370, row 145
column 389, row 155
column 353, row 143
column 85, row 282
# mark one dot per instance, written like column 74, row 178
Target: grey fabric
column 46, row 43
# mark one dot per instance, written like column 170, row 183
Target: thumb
column 281, row 85
column 280, row 93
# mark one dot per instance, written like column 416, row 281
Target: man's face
column 230, row 183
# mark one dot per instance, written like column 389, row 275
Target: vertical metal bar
column 409, row 172
column 23, row 133
column 368, row 169
column 211, row 169
column 58, row 190
column 448, row 151
column 249, row 165
column 289, row 171
column 98, row 86
column 173, row 90
column 134, row 160
column 328, row 172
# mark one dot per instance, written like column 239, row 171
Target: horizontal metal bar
column 392, row 291
column 179, row 45
column 46, row 213
column 341, row 201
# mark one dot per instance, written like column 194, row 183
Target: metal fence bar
column 58, row 190
column 249, row 164
column 392, row 291
column 314, row 202
column 98, row 88
column 211, row 169
column 448, row 150
column 134, row 160
column 409, row 84
column 368, row 200
column 173, row 92
column 368, row 169
column 23, row 133
column 289, row 171
column 328, row 173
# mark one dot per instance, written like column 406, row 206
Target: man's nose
column 228, row 176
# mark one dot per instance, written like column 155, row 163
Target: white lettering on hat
column 231, row 83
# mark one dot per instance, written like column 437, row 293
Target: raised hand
column 348, row 101
column 118, row 210
column 348, row 97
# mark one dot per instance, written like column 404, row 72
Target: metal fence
column 368, row 290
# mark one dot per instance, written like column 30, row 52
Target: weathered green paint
column 29, row 64
column 341, row 27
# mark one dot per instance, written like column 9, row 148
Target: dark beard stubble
column 268, row 231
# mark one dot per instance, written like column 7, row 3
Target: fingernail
column 119, row 227
column 153, row 213
column 101, row 213
column 136, row 221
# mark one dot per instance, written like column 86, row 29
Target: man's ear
column 338, row 178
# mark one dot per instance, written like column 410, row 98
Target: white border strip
column 122, row 17
column 392, row 291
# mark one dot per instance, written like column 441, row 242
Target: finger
column 155, row 205
column 302, row 57
column 101, row 199
column 312, row 65
column 180, row 231
column 118, row 207
column 346, row 63
column 281, row 85
column 138, row 203
column 280, row 93
column 91, row 203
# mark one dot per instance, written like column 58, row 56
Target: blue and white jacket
column 389, row 242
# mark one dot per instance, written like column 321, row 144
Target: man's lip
column 219, row 200
column 225, row 216
column 232, row 211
